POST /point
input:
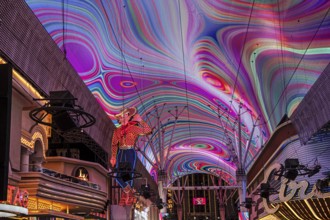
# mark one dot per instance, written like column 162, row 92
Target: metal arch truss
column 235, row 146
column 235, row 143
column 201, row 187
column 178, row 191
column 221, row 191
column 160, row 128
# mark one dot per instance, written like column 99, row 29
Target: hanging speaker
column 61, row 98
column 5, row 118
column 64, row 121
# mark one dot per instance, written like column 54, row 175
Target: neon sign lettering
column 17, row 197
column 289, row 189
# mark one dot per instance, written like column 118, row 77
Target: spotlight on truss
column 145, row 191
column 159, row 203
column 248, row 203
column 265, row 190
column 323, row 184
column 292, row 168
column 314, row 171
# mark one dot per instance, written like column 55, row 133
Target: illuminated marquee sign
column 289, row 189
column 97, row 214
column 199, row 201
column 17, row 197
column 82, row 173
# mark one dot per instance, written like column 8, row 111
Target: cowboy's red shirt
column 126, row 135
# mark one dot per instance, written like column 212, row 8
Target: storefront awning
column 12, row 210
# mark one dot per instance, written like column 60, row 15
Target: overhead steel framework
column 234, row 142
column 162, row 151
column 201, row 187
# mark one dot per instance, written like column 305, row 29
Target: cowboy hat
column 131, row 112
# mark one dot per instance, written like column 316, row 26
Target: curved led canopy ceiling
column 231, row 65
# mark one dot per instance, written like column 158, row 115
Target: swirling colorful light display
column 224, row 60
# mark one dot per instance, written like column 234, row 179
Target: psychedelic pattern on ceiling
column 230, row 63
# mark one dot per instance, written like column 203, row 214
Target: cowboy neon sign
column 289, row 189
column 17, row 197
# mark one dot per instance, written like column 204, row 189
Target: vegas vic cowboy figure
column 124, row 138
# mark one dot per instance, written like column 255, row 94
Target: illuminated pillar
column 240, row 172
column 241, row 181
column 161, row 190
column 162, row 195
column 222, row 208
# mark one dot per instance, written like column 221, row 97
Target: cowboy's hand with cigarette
column 137, row 118
column 113, row 161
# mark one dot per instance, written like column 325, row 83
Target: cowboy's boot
column 124, row 196
column 131, row 198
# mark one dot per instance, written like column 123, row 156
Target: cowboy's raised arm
column 114, row 148
column 143, row 127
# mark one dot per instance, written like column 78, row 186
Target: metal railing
column 72, row 179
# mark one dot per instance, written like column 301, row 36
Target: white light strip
column 326, row 204
column 13, row 209
column 283, row 215
column 292, row 210
column 6, row 215
column 24, row 83
column 311, row 209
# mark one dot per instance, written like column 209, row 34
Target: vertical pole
column 161, row 151
column 240, row 173
column 179, row 205
column 222, row 209
column 110, row 197
column 5, row 119
column 179, row 211
column 222, row 212
column 239, row 137
column 162, row 195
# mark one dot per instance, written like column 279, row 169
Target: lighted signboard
column 16, row 203
column 17, row 197
column 81, row 173
column 199, row 201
